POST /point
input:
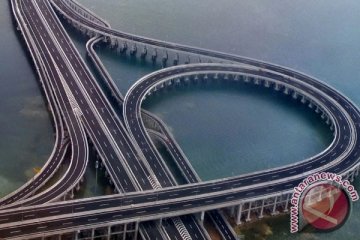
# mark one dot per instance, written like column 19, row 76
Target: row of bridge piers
column 235, row 78
column 124, row 231
column 144, row 52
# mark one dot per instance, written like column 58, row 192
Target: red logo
column 325, row 206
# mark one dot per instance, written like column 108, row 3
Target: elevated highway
column 70, row 130
column 341, row 157
column 245, row 192
column 162, row 133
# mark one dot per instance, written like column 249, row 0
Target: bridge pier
column 267, row 84
column 277, row 87
column 165, row 58
column 123, row 48
column 92, row 234
column 238, row 215
column 248, row 218
column 286, row 208
column 246, row 79
column 294, row 95
column 176, row 59
column 154, row 56
column 136, row 231
column 232, row 211
column 311, row 105
column 262, row 209
column 124, row 232
column 144, row 52
column 303, row 99
column 274, row 212
column 286, row 91
column 357, row 171
column 202, row 216
column 133, row 50
column 108, row 237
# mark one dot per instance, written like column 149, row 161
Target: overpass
column 179, row 200
column 67, row 128
column 245, row 192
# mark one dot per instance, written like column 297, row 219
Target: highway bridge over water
column 148, row 200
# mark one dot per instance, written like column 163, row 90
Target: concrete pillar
column 295, row 95
column 287, row 203
column 109, row 233
column 303, row 99
column 352, row 176
column 176, row 59
column 92, row 234
column 267, row 84
column 328, row 121
column 77, row 234
column 154, row 55
column 311, row 105
column 277, row 87
column 136, row 230
column 124, row 232
column 286, row 90
column 202, row 216
column 274, row 207
column 262, row 209
column 144, row 52
column 248, row 218
column 72, row 194
column 232, row 211
column 238, row 217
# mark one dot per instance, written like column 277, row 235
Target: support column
column 303, row 99
column 357, row 171
column 136, row 230
column 232, row 211
column 248, row 218
column 92, row 234
column 287, row 203
column 109, row 233
column 274, row 207
column 295, row 95
column 238, row 217
column 262, row 209
column 352, row 176
column 124, row 232
column 286, row 90
column 202, row 216
column 277, row 87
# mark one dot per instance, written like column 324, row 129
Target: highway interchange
column 128, row 152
